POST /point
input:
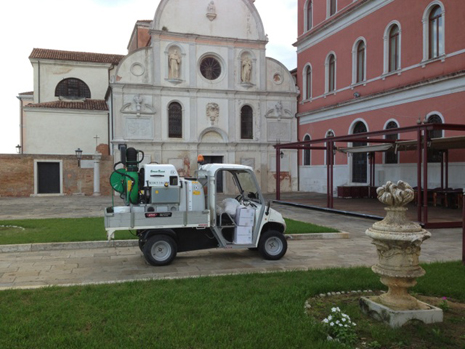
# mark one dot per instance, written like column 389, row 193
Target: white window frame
column 36, row 177
column 435, row 113
column 426, row 40
column 252, row 122
column 327, row 91
column 306, row 28
column 328, row 9
column 386, row 39
column 351, row 144
column 325, row 152
column 183, row 121
column 303, row 151
column 304, row 79
column 355, row 61
column 385, row 128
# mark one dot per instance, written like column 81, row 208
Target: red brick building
column 369, row 65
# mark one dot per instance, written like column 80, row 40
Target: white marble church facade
column 202, row 84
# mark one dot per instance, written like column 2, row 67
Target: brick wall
column 17, row 174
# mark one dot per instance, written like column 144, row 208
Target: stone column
column 96, row 157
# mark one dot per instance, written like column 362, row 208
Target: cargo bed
column 127, row 218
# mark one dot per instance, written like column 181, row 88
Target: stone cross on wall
column 96, row 141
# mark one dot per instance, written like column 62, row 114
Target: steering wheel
column 252, row 195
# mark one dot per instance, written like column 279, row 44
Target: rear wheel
column 160, row 250
column 272, row 245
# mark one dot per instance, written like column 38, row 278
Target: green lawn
column 55, row 230
column 243, row 311
column 90, row 229
column 297, row 227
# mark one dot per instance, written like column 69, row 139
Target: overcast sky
column 101, row 26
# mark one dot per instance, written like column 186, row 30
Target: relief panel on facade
column 279, row 132
column 138, row 128
column 279, row 112
column 213, row 113
column 137, row 69
column 138, row 105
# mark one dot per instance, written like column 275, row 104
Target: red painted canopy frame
column 421, row 145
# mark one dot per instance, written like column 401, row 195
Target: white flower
column 325, row 321
column 330, row 317
column 353, row 323
column 340, row 325
column 338, row 309
column 333, row 309
column 331, row 324
column 337, row 321
column 346, row 326
column 344, row 319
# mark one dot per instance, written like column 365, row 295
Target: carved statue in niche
column 174, row 62
column 211, row 11
column 213, row 112
column 246, row 69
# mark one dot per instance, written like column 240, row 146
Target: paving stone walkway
column 105, row 264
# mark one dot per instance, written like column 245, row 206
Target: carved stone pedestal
column 398, row 242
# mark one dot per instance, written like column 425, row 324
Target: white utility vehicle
column 172, row 214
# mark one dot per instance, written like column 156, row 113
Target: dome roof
column 236, row 19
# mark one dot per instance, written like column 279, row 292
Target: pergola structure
column 377, row 143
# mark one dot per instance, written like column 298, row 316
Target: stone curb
column 319, row 236
column 131, row 243
column 67, row 246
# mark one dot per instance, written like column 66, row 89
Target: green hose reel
column 127, row 184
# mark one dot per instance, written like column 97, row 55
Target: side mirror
column 268, row 206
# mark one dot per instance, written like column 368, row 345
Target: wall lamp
column 281, row 154
column 18, row 149
column 357, row 94
column 78, row 152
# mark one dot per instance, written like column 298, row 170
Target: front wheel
column 272, row 245
column 160, row 250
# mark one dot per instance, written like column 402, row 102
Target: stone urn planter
column 398, row 243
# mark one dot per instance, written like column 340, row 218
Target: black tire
column 160, row 250
column 272, row 245
column 141, row 245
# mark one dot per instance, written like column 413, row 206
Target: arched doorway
column 359, row 160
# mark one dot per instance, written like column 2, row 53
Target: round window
column 210, row 68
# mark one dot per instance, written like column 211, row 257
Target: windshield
column 248, row 186
column 246, row 182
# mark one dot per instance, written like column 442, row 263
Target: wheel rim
column 273, row 246
column 161, row 251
